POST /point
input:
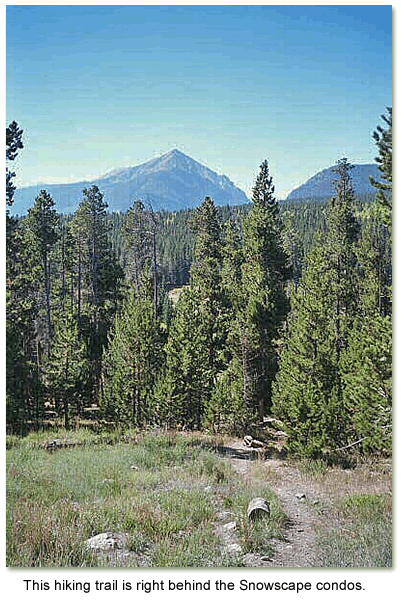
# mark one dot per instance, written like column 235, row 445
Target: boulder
column 104, row 542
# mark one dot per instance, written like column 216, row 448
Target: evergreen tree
column 226, row 409
column 65, row 369
column 195, row 342
column 374, row 254
column 366, row 371
column 304, row 389
column 384, row 141
column 205, row 279
column 141, row 230
column 41, row 227
column 132, row 360
column 98, row 279
column 184, row 389
column 342, row 238
column 13, row 144
column 366, row 362
column 308, row 393
column 22, row 332
column 264, row 302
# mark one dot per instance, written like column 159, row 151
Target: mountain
column 320, row 185
column 172, row 182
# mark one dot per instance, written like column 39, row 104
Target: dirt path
column 304, row 500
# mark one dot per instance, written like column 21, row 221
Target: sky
column 99, row 87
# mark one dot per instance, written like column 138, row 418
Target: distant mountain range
column 321, row 184
column 173, row 181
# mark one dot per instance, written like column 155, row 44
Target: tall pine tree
column 308, row 392
column 132, row 360
column 264, row 302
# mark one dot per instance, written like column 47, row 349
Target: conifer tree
column 98, row 279
column 264, row 303
column 141, row 229
column 226, row 409
column 184, row 388
column 65, row 369
column 13, row 144
column 22, row 359
column 41, row 226
column 366, row 363
column 304, row 389
column 132, row 360
column 366, row 371
column 384, row 141
column 308, row 392
column 205, row 279
column 195, row 342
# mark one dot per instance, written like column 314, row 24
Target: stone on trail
column 108, row 541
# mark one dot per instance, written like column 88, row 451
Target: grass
column 164, row 490
column 360, row 534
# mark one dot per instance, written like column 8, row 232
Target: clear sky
column 101, row 87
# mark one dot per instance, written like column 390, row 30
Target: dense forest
column 285, row 310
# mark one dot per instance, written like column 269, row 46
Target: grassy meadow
column 164, row 490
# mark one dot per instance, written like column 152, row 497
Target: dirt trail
column 304, row 500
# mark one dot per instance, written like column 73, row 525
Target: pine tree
column 13, row 144
column 195, row 342
column 132, row 361
column 366, row 362
column 366, row 371
column 205, row 279
column 185, row 386
column 22, row 334
column 141, row 230
column 384, row 141
column 304, row 388
column 264, row 303
column 226, row 410
column 98, row 279
column 308, row 392
column 65, row 369
column 41, row 227
column 343, row 235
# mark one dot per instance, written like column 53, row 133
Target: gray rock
column 107, row 541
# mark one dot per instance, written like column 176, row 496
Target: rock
column 234, row 549
column 104, row 542
column 231, row 526
column 257, row 508
column 224, row 514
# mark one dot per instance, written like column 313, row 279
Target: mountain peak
column 321, row 184
column 175, row 152
column 173, row 181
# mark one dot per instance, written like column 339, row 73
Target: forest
column 284, row 311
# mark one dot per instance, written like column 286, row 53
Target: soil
column 304, row 498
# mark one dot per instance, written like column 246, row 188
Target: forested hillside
column 285, row 312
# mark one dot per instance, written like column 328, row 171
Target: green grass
column 360, row 534
column 164, row 490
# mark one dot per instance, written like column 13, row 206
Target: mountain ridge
column 172, row 181
column 321, row 184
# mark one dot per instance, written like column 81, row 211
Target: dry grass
column 163, row 490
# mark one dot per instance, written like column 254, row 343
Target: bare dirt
column 305, row 499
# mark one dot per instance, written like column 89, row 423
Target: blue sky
column 101, row 87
